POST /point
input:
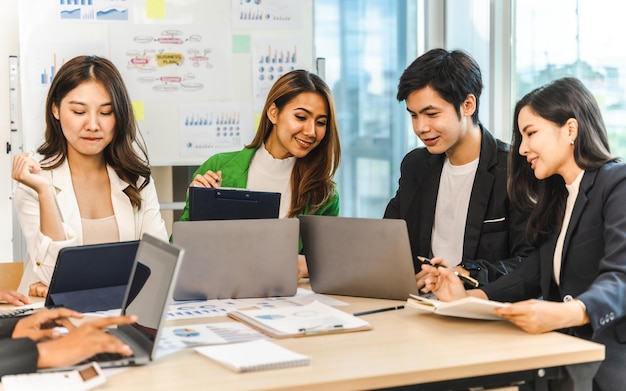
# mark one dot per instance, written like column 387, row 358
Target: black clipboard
column 232, row 204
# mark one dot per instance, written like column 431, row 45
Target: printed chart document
column 221, row 307
column 308, row 319
column 467, row 307
column 175, row 338
column 254, row 356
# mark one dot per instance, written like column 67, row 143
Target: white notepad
column 255, row 355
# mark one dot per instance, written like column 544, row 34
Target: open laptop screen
column 149, row 293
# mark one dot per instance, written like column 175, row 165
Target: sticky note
column 241, row 44
column 155, row 9
column 138, row 110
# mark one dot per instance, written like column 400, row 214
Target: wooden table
column 405, row 347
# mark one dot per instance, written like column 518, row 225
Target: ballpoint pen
column 469, row 280
column 320, row 329
column 398, row 307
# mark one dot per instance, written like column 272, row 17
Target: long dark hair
column 545, row 199
column 312, row 176
column 122, row 152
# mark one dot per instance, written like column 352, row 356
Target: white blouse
column 572, row 189
column 269, row 174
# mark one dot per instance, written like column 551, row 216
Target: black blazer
column 593, row 269
column 16, row 355
column 494, row 230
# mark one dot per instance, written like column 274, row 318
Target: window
column 367, row 44
column 467, row 28
column 585, row 43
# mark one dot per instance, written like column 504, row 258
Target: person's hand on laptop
column 209, row 179
column 13, row 297
column 41, row 324
column 84, row 342
column 80, row 343
column 38, row 289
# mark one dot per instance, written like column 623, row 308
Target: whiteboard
column 197, row 71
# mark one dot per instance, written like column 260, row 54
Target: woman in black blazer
column 562, row 173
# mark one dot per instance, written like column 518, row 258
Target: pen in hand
column 467, row 279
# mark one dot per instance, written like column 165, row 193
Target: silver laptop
column 358, row 257
column 237, row 258
column 148, row 296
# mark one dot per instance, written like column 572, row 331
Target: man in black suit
column 31, row 342
column 452, row 192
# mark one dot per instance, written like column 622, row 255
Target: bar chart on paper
column 271, row 60
column 106, row 10
column 276, row 13
column 276, row 62
column 49, row 71
column 211, row 128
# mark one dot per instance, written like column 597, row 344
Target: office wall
column 8, row 47
column 195, row 70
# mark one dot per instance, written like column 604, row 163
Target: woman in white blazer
column 93, row 184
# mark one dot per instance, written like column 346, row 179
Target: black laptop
column 232, row 204
column 92, row 277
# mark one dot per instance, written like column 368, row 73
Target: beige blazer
column 42, row 251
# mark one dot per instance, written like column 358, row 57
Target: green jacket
column 234, row 167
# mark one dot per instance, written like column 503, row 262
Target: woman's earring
column 571, row 140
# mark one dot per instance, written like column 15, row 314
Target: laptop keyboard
column 18, row 312
column 104, row 357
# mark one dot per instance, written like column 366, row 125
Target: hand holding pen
column 466, row 279
column 209, row 179
column 444, row 282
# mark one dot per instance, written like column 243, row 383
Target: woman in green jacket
column 295, row 152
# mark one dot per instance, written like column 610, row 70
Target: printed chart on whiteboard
column 270, row 60
column 218, row 127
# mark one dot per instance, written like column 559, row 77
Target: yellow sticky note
column 155, row 9
column 138, row 110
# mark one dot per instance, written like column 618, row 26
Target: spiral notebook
column 257, row 355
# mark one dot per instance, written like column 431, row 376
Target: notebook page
column 254, row 356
